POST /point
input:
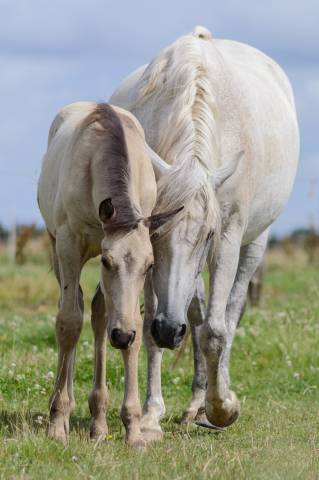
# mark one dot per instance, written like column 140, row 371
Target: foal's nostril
column 122, row 340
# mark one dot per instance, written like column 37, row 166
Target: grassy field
column 275, row 371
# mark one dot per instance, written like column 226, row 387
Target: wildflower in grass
column 39, row 420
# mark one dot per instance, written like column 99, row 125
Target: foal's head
column 127, row 256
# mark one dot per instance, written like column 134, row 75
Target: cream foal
column 96, row 193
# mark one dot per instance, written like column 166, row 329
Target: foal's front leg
column 131, row 407
column 68, row 328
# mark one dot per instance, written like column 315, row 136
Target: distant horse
column 96, row 192
column 221, row 115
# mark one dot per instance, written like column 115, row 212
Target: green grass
column 275, row 371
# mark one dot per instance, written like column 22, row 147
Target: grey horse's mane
column 188, row 131
column 116, row 176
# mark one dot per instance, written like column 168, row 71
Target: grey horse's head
column 181, row 247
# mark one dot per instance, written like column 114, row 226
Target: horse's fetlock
column 98, row 400
column 59, row 404
column 130, row 413
column 199, row 382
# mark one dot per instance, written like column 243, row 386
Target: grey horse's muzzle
column 167, row 334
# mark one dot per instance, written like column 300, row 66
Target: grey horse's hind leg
column 251, row 257
column 99, row 395
column 196, row 316
column 255, row 286
column 154, row 407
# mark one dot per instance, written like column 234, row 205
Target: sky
column 55, row 53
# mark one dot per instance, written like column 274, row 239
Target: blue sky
column 54, row 53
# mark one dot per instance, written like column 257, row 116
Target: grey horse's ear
column 221, row 174
column 155, row 221
column 106, row 210
column 159, row 165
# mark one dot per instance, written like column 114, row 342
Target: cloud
column 54, row 53
column 123, row 28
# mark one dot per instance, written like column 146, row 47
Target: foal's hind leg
column 196, row 316
column 68, row 328
column 98, row 395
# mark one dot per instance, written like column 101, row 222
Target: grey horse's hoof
column 223, row 414
column 207, row 424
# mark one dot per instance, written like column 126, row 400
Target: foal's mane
column 114, row 169
column 177, row 82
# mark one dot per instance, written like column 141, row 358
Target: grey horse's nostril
column 182, row 331
column 155, row 328
column 166, row 335
column 122, row 340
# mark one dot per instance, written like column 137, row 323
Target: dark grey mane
column 115, row 157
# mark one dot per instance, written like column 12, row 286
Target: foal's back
column 94, row 151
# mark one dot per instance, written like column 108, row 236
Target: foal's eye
column 105, row 262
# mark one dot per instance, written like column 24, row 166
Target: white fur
column 201, row 101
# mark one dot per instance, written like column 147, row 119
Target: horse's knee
column 213, row 340
column 68, row 328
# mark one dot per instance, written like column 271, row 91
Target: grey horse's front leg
column 229, row 283
column 154, row 407
column 196, row 317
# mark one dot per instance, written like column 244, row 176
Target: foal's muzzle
column 165, row 334
column 122, row 340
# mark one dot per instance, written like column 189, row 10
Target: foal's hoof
column 58, row 432
column 137, row 443
column 152, row 434
column 223, row 414
column 98, row 431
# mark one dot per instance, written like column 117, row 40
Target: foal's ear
column 106, row 210
column 157, row 220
